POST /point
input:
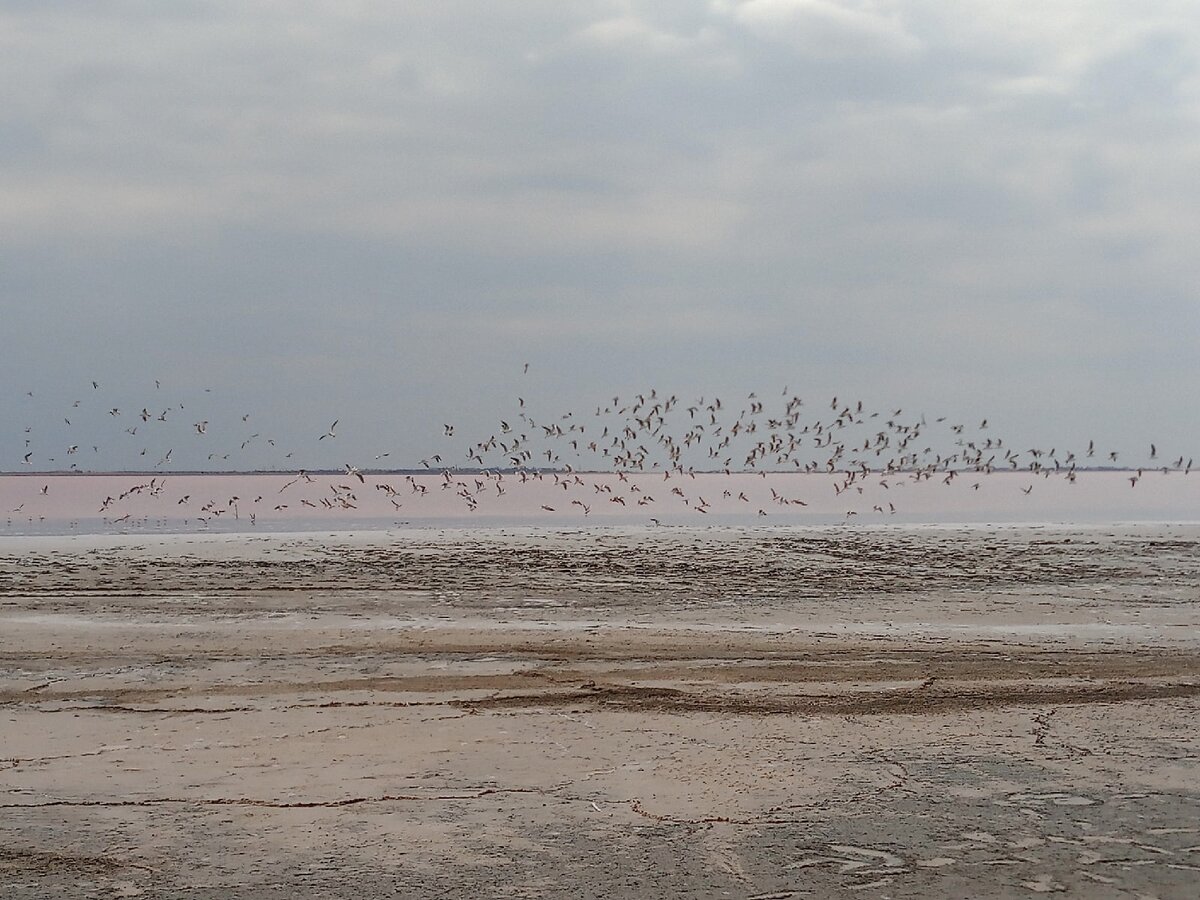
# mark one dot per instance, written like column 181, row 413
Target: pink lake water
column 87, row 503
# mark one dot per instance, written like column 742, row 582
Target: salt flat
column 535, row 712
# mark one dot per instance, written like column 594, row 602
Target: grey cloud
column 413, row 195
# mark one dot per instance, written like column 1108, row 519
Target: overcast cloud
column 378, row 211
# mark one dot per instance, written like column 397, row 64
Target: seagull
column 329, row 433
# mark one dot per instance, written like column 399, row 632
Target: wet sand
column 617, row 712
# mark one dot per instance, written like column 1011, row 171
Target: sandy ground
column 766, row 713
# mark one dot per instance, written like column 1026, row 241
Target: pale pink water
column 31, row 503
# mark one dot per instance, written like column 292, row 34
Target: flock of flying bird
column 614, row 456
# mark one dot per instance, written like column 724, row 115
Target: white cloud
column 632, row 31
column 825, row 29
column 703, row 47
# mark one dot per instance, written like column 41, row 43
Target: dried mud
column 610, row 713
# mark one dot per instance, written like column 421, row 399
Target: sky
column 379, row 212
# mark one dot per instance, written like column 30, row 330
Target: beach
column 619, row 711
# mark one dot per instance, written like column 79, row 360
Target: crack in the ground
column 202, row 710
column 285, row 804
column 635, row 804
column 1043, row 731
